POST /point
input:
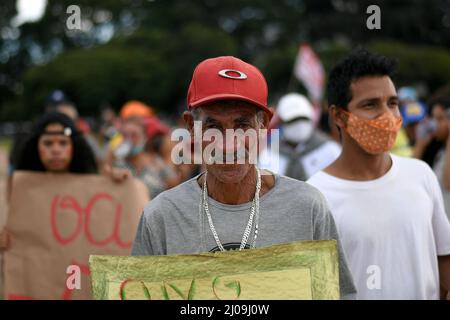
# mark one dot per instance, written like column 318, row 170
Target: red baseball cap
column 227, row 78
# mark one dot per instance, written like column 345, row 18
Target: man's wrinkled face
column 55, row 149
column 240, row 119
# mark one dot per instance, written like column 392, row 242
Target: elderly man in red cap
column 233, row 206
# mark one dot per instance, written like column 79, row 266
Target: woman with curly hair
column 55, row 145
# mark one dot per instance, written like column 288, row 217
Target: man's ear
column 338, row 116
column 266, row 119
column 188, row 120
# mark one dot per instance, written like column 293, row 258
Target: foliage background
column 147, row 50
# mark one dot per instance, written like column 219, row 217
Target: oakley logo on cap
column 225, row 73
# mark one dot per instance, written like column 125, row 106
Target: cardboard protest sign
column 298, row 270
column 57, row 221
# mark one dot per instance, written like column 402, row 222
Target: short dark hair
column 359, row 63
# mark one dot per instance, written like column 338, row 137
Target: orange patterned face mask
column 375, row 136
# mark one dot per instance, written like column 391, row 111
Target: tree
column 131, row 37
column 151, row 65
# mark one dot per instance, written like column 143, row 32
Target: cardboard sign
column 297, row 270
column 57, row 221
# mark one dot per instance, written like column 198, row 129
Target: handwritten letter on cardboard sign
column 58, row 220
column 298, row 270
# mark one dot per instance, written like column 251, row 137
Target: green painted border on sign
column 320, row 257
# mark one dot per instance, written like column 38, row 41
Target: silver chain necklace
column 254, row 213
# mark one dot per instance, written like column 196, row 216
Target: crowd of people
column 360, row 157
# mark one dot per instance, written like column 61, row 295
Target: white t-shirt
column 392, row 229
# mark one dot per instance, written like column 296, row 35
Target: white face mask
column 298, row 131
column 123, row 150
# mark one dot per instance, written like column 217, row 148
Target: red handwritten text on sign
column 84, row 220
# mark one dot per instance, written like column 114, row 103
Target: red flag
column 309, row 70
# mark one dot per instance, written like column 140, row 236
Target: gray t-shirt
column 174, row 222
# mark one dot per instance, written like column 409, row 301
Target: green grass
column 5, row 144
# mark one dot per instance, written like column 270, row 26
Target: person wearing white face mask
column 303, row 149
column 298, row 131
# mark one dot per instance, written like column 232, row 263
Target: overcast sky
column 29, row 10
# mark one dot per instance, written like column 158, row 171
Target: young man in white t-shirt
column 388, row 210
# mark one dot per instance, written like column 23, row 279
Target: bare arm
column 116, row 174
column 420, row 146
